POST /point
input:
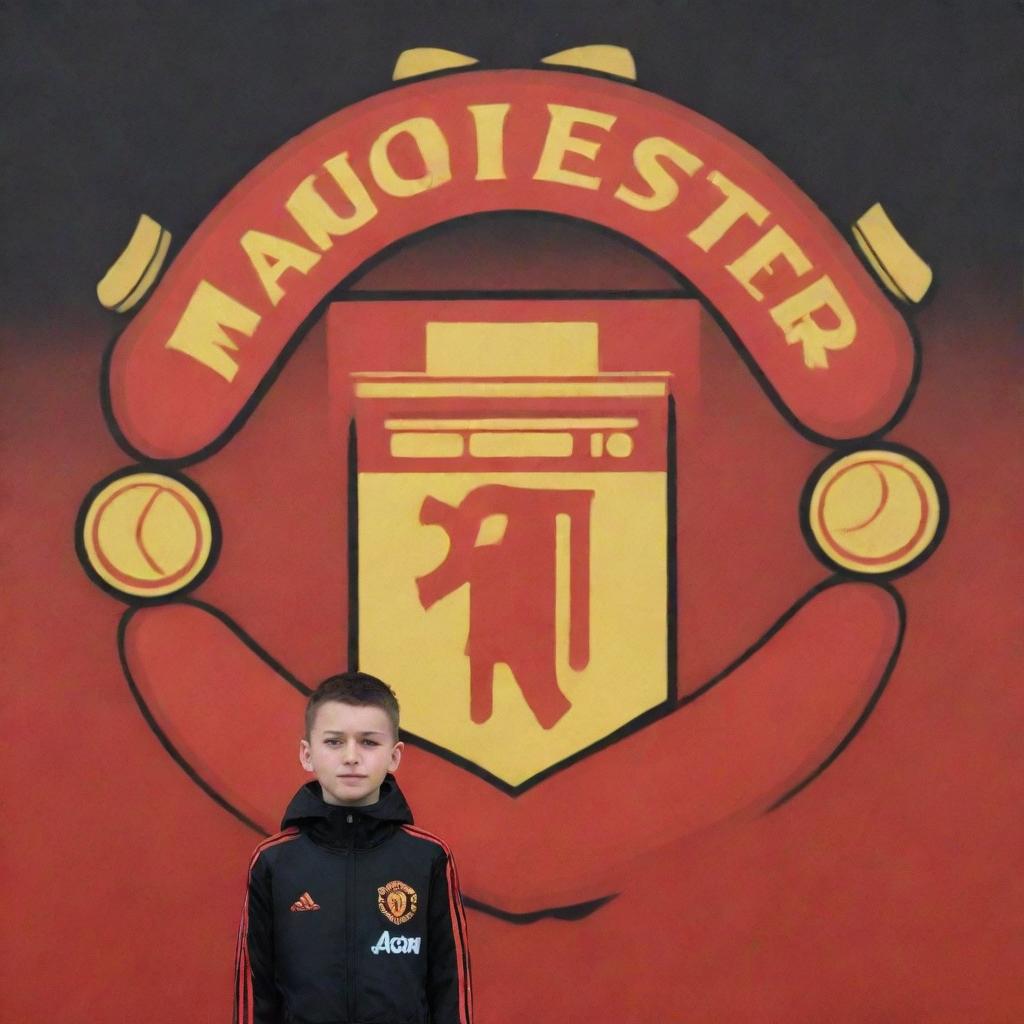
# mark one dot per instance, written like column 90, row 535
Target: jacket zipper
column 350, row 979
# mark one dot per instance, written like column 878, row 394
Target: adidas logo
column 305, row 902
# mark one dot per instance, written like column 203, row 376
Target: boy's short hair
column 357, row 688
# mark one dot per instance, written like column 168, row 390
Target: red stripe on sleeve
column 458, row 916
column 244, row 1008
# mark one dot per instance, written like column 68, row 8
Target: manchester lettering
column 388, row 943
column 798, row 301
column 647, row 159
column 319, row 217
column 200, row 332
column 719, row 218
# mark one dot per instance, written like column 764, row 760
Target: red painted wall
column 888, row 890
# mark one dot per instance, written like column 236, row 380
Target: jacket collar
column 344, row 827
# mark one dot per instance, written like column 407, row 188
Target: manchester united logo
column 397, row 901
column 523, row 510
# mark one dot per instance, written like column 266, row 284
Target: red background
column 889, row 890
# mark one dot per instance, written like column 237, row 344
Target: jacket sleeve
column 449, row 984
column 257, row 999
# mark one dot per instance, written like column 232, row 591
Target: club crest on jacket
column 397, row 901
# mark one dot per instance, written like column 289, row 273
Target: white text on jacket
column 397, row 944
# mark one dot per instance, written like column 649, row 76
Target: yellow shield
column 397, row 902
column 513, row 556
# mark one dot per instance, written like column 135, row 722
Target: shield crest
column 510, row 499
column 397, row 902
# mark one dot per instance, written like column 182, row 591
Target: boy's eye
column 332, row 743
column 370, row 743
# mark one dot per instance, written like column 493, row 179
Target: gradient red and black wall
column 887, row 888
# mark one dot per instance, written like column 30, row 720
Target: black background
column 118, row 108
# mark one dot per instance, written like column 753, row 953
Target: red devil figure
column 512, row 584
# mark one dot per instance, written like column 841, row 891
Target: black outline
column 865, row 714
column 843, row 230
column 216, row 534
column 575, row 911
column 844, row 447
column 145, row 270
column 247, row 640
column 672, row 553
column 652, row 715
column 165, row 742
column 352, row 542
column 663, row 707
column 342, row 293
column 827, row 584
column 572, row 912
column 863, row 243
column 834, row 457
column 903, row 302
column 339, row 294
column 247, row 409
column 484, row 294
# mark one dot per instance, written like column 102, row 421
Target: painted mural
column 670, row 495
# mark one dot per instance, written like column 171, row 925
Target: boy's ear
column 304, row 755
column 396, row 755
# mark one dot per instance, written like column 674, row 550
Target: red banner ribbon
column 831, row 347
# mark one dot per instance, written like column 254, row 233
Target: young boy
column 352, row 914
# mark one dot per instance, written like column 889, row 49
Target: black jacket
column 352, row 916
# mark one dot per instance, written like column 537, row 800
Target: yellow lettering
column 560, row 141
column 490, row 140
column 759, row 257
column 320, row 221
column 433, row 147
column 796, row 318
column 737, row 204
column 271, row 256
column 200, row 331
column 647, row 158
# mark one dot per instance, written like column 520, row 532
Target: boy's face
column 350, row 749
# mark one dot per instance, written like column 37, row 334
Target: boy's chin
column 347, row 798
